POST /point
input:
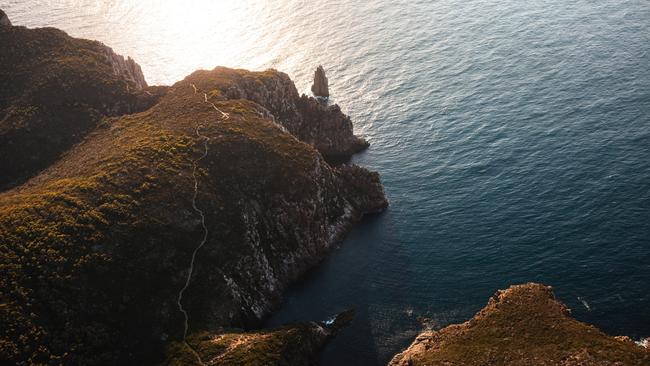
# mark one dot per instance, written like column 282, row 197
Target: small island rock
column 320, row 87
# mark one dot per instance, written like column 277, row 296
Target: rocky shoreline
column 97, row 229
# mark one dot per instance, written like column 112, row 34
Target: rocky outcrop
column 101, row 240
column 55, row 90
column 363, row 187
column 320, row 88
column 645, row 343
column 326, row 128
column 297, row 344
column 126, row 69
column 523, row 325
column 4, row 19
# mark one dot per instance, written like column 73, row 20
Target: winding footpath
column 195, row 167
column 224, row 115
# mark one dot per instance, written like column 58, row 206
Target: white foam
column 585, row 303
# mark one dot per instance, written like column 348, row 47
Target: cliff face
column 96, row 248
column 127, row 69
column 55, row 90
column 523, row 325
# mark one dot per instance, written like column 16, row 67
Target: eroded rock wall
column 127, row 68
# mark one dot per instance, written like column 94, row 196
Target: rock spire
column 320, row 87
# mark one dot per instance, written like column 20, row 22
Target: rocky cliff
column 326, row 128
column 523, row 325
column 55, row 90
column 95, row 248
column 127, row 69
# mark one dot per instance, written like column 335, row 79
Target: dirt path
column 206, row 232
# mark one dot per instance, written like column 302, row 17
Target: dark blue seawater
column 513, row 139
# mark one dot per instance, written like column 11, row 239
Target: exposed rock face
column 96, row 247
column 328, row 129
column 127, row 69
column 363, row 187
column 320, row 88
column 55, row 90
column 324, row 127
column 4, row 19
column 523, row 325
column 645, row 343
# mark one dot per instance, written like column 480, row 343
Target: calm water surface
column 512, row 137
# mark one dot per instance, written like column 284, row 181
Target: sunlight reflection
column 198, row 34
column 173, row 38
column 182, row 35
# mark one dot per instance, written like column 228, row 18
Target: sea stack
column 320, row 87
column 4, row 19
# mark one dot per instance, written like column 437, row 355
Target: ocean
column 512, row 137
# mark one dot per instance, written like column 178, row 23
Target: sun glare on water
column 188, row 35
column 172, row 38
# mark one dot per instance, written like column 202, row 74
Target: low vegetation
column 55, row 90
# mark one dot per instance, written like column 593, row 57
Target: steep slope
column 523, row 325
column 94, row 250
column 55, row 89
